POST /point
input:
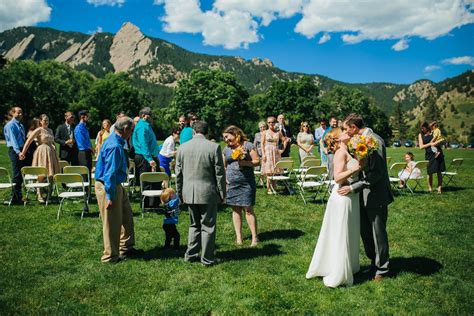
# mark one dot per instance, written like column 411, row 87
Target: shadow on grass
column 269, row 250
column 418, row 265
column 280, row 234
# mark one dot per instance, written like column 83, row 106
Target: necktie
column 22, row 129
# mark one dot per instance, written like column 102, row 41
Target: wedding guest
column 83, row 140
column 285, row 130
column 240, row 157
column 181, row 122
column 64, row 136
column 257, row 142
column 112, row 199
column 410, row 171
column 45, row 154
column 325, row 154
column 146, row 150
column 270, row 152
column 168, row 151
column 319, row 132
column 171, row 202
column 200, row 183
column 102, row 135
column 436, row 162
column 14, row 133
column 186, row 133
column 34, row 124
column 305, row 141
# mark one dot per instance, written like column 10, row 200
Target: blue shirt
column 14, row 135
column 185, row 135
column 111, row 167
column 81, row 134
column 144, row 140
column 318, row 134
column 173, row 209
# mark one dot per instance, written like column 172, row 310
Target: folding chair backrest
column 396, row 167
column 316, row 171
column 34, row 171
column 422, row 165
column 66, row 178
column 4, row 172
column 308, row 158
column 152, row 177
column 62, row 164
column 284, row 164
column 311, row 163
column 131, row 165
column 286, row 159
column 455, row 164
column 77, row 169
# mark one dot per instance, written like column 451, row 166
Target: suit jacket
column 65, row 152
column 287, row 133
column 375, row 183
column 200, row 173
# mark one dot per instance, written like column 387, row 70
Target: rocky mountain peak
column 130, row 48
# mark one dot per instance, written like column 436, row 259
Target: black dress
column 436, row 164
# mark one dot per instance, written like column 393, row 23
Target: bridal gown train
column 336, row 257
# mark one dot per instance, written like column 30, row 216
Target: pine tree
column 399, row 121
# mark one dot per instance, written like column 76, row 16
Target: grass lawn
column 51, row 266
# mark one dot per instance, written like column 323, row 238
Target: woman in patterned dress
column 270, row 152
column 240, row 157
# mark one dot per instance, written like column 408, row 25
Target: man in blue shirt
column 146, row 151
column 83, row 141
column 319, row 132
column 327, row 157
column 15, row 137
column 114, row 205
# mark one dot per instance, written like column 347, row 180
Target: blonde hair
column 332, row 139
column 301, row 126
column 165, row 196
column 434, row 125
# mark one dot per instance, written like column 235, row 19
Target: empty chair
column 452, row 171
column 35, row 178
column 6, row 183
column 72, row 191
column 281, row 173
column 313, row 179
column 151, row 177
column 84, row 171
column 62, row 164
column 130, row 183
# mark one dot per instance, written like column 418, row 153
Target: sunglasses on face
column 305, row 125
column 272, row 122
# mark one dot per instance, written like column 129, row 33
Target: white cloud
column 431, row 68
column 326, row 37
column 106, row 2
column 15, row 13
column 99, row 29
column 464, row 60
column 235, row 23
column 400, row 45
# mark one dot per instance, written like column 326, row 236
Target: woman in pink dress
column 270, row 152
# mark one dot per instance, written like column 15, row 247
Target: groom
column 375, row 198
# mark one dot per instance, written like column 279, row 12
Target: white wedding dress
column 336, row 257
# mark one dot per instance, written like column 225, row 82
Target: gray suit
column 200, row 182
column 376, row 195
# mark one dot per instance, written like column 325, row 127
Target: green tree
column 432, row 112
column 216, row 97
column 399, row 123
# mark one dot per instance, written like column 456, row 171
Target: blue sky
column 399, row 42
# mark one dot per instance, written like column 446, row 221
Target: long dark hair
column 426, row 126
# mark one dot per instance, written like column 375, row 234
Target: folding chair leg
column 26, row 197
column 60, row 208
column 302, row 195
column 143, row 207
column 86, row 207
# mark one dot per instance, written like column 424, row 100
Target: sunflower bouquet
column 238, row 153
column 362, row 146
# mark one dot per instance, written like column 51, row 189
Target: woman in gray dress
column 240, row 157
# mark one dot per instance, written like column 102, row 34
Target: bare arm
column 262, row 145
column 30, row 139
column 341, row 175
column 420, row 142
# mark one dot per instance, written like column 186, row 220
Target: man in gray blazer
column 201, row 183
column 376, row 195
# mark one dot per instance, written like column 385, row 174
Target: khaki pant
column 118, row 232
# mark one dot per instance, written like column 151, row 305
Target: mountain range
column 158, row 65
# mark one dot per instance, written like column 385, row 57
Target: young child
column 410, row 171
column 171, row 203
column 436, row 137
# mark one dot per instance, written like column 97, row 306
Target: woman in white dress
column 336, row 257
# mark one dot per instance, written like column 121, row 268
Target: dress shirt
column 185, row 135
column 111, row 167
column 83, row 139
column 318, row 134
column 144, row 140
column 168, row 147
column 14, row 135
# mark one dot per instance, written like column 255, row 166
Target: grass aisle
column 49, row 266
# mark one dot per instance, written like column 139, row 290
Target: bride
column 336, row 257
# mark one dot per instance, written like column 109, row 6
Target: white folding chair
column 281, row 173
column 31, row 181
column 422, row 165
column 393, row 172
column 86, row 181
column 71, row 181
column 307, row 163
column 129, row 185
column 150, row 177
column 452, row 171
column 62, row 164
column 6, row 185
column 312, row 178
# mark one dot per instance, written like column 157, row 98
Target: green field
column 51, row 266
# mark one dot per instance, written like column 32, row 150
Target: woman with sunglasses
column 270, row 152
column 305, row 141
